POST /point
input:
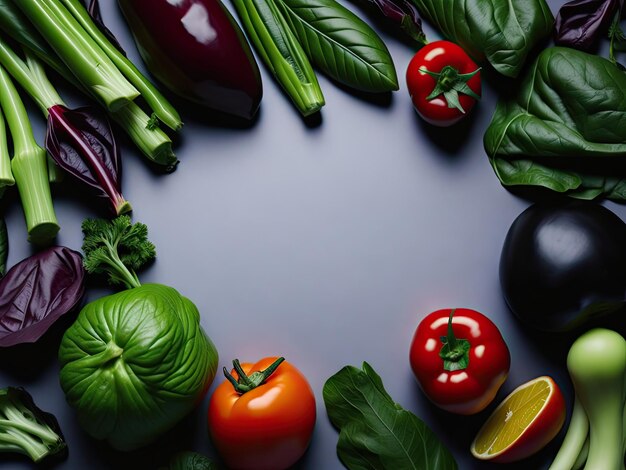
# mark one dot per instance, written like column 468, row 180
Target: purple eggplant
column 195, row 48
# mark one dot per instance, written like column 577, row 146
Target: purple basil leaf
column 404, row 14
column 37, row 291
column 81, row 142
column 580, row 23
column 94, row 11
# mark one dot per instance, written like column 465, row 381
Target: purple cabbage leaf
column 581, row 23
column 81, row 142
column 37, row 291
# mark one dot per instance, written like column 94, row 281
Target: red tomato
column 460, row 359
column 268, row 427
column 445, row 67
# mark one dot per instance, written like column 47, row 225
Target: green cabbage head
column 135, row 363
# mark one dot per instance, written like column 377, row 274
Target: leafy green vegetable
column 375, row 432
column 277, row 45
column 341, row 44
column 564, row 128
column 134, row 363
column 190, row 461
column 498, row 31
column 116, row 247
column 4, row 247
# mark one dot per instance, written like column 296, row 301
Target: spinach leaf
column 341, row 45
column 565, row 129
column 4, row 247
column 375, row 432
column 502, row 32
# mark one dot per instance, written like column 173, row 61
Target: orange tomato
column 268, row 427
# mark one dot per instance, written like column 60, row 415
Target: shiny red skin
column 197, row 50
column 466, row 391
column 267, row 428
column 541, row 431
column 433, row 57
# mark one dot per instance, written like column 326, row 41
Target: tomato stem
column 449, row 84
column 455, row 351
column 246, row 383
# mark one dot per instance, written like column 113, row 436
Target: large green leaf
column 501, row 32
column 4, row 247
column 341, row 45
column 564, row 127
column 375, row 432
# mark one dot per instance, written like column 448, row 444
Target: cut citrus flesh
column 512, row 418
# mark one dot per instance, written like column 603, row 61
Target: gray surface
column 326, row 244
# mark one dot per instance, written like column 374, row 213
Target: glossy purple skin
column 195, row 48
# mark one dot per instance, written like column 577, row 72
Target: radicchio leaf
column 4, row 247
column 37, row 291
column 93, row 9
column 404, row 14
column 580, row 23
column 81, row 142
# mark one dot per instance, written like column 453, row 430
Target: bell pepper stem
column 455, row 351
column 247, row 383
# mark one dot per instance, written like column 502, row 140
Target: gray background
column 325, row 242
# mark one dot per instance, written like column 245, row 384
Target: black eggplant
column 195, row 48
column 564, row 264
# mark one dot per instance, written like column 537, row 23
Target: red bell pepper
column 460, row 359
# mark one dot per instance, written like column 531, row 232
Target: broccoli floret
column 26, row 429
column 117, row 248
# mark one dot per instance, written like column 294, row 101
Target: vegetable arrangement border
column 134, row 363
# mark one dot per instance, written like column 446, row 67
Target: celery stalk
column 6, row 176
column 277, row 45
column 152, row 141
column 28, row 166
column 87, row 61
column 153, row 97
column 31, row 76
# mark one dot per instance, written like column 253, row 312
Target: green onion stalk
column 29, row 166
column 279, row 48
column 80, row 53
column 162, row 109
column 151, row 141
